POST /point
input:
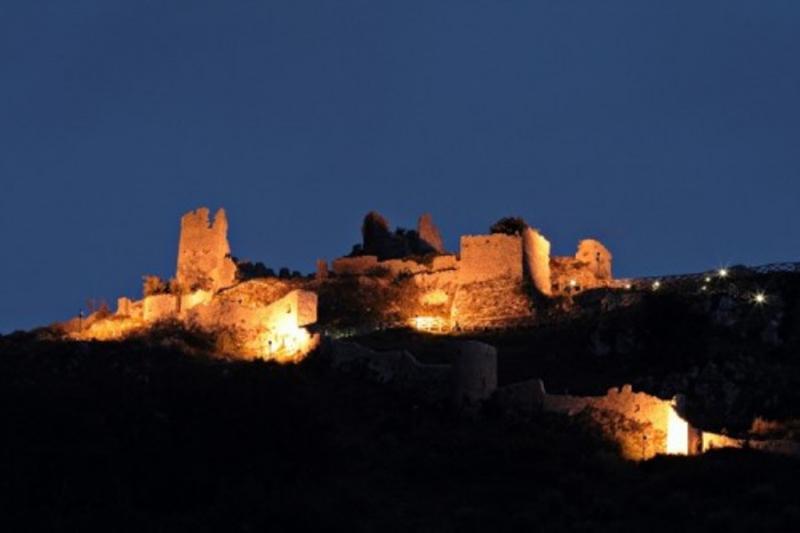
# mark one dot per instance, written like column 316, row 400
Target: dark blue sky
column 668, row 129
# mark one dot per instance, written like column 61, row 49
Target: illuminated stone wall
column 193, row 299
column 490, row 257
column 637, row 421
column 370, row 265
column 298, row 308
column 243, row 305
column 537, row 260
column 596, row 257
column 204, row 260
column 159, row 307
column 494, row 304
column 354, row 266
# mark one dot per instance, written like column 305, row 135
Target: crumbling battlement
column 204, row 255
column 597, row 257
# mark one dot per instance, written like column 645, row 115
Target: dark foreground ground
column 139, row 436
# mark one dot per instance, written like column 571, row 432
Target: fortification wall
column 397, row 267
column 124, row 306
column 536, row 250
column 159, row 307
column 298, row 308
column 492, row 304
column 111, row 328
column 193, row 299
column 465, row 384
column 597, row 257
column 241, row 306
column 204, row 260
column 639, row 422
column 588, row 269
column 354, row 266
column 444, row 262
column 260, row 319
column 570, row 276
column 712, row 441
column 489, row 257
column 369, row 264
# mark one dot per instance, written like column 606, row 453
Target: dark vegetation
column 247, row 270
column 152, row 435
column 509, row 226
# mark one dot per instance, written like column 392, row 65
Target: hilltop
column 154, row 434
column 405, row 387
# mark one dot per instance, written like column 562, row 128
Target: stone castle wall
column 637, row 421
column 354, row 266
column 159, row 307
column 494, row 304
column 489, row 257
column 537, row 260
column 368, row 264
column 597, row 258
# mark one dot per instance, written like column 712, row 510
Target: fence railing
column 710, row 275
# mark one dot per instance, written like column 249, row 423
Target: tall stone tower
column 429, row 233
column 204, row 260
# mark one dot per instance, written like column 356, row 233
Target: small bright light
column 723, row 272
column 628, row 286
column 572, row 283
column 760, row 298
column 704, row 288
column 656, row 285
column 428, row 323
column 708, row 279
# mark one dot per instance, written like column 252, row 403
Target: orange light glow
column 677, row 434
column 429, row 323
column 288, row 343
column 435, row 297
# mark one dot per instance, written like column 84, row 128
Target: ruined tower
column 204, row 260
column 536, row 250
column 597, row 257
column 429, row 233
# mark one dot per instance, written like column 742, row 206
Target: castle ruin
column 204, row 256
column 402, row 278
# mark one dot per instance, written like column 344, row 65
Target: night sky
column 670, row 130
